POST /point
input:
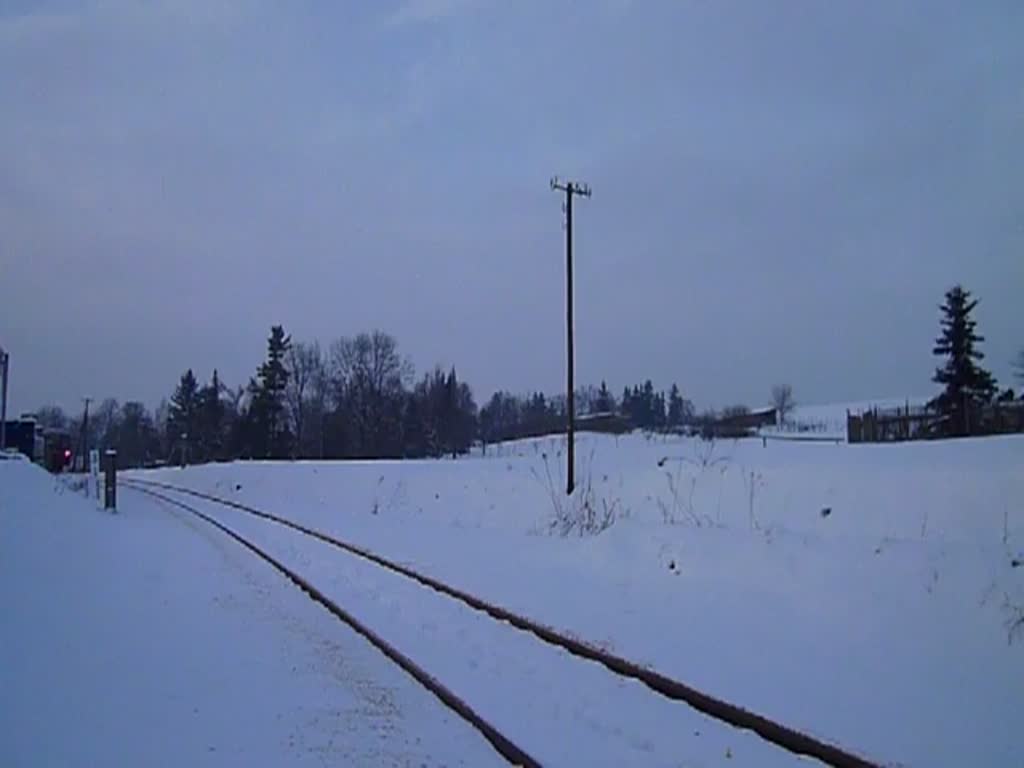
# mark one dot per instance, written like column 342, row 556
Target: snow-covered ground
column 863, row 593
column 148, row 638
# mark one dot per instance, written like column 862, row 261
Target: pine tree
column 647, row 405
column 211, row 419
column 658, row 411
column 413, row 433
column 675, row 408
column 464, row 417
column 183, row 417
column 603, row 403
column 268, row 406
column 450, row 414
column 967, row 385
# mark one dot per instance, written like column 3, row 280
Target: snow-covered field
column 863, row 593
column 866, row 594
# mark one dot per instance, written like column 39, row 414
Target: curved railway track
column 782, row 736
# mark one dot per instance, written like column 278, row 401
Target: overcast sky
column 782, row 191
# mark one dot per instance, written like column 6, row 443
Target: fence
column 921, row 423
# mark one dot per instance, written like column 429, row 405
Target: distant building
column 608, row 422
column 741, row 424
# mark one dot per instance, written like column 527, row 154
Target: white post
column 92, row 485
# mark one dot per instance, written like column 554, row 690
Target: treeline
column 507, row 416
column 358, row 398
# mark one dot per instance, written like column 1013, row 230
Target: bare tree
column 368, row 381
column 52, row 417
column 304, row 363
column 318, row 403
column 782, row 399
column 1018, row 365
column 104, row 422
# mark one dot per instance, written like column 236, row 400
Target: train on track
column 51, row 448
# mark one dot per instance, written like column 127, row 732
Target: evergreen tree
column 413, row 433
column 966, row 384
column 268, row 398
column 450, row 414
column 459, row 415
column 501, row 418
column 433, row 399
column 636, row 410
column 658, row 411
column 466, row 425
column 644, row 406
column 674, row 418
column 211, row 419
column 603, row 403
column 137, row 441
column 183, row 417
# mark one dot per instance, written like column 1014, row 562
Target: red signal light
column 67, row 453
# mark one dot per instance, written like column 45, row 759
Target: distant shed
column 606, row 422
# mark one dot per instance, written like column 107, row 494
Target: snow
column 148, row 638
column 863, row 593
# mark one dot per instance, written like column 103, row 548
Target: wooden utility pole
column 571, row 189
column 5, row 361
column 83, row 440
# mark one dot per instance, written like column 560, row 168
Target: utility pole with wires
column 571, row 189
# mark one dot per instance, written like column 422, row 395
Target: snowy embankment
column 147, row 638
column 866, row 594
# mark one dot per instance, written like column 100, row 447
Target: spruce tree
column 413, row 433
column 675, row 407
column 658, row 411
column 268, row 399
column 183, row 416
column 211, row 419
column 647, row 406
column 604, row 402
column 450, row 414
column 966, row 384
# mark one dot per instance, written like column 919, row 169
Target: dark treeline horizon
column 358, row 397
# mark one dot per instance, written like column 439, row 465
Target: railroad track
column 782, row 736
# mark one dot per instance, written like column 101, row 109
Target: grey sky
column 782, row 191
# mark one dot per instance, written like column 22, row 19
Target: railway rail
column 780, row 735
